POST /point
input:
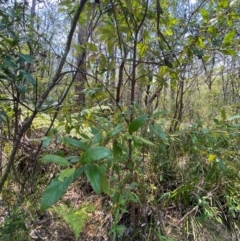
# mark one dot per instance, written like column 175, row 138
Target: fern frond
column 75, row 218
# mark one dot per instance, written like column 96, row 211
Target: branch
column 55, row 78
column 45, row 94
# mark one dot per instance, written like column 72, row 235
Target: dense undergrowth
column 181, row 185
column 119, row 120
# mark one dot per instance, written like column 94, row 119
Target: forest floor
column 167, row 225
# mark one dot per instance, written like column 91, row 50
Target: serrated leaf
column 56, row 189
column 75, row 142
column 65, row 173
column 94, row 154
column 61, row 161
column 228, row 37
column 137, row 123
column 97, row 178
column 54, row 192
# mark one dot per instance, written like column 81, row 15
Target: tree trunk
column 81, row 77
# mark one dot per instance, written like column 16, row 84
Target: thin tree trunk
column 81, row 77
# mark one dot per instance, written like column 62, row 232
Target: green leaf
column 228, row 37
column 94, row 131
column 223, row 114
column 221, row 165
column 137, row 123
column 213, row 31
column 198, row 52
column 228, row 52
column 26, row 57
column 117, row 150
column 230, row 23
column 73, row 159
column 216, row 42
column 46, row 141
column 94, row 178
column 168, row 63
column 4, row 77
column 94, row 154
column 56, row 159
column 29, row 77
column 143, row 140
column 141, row 48
column 118, row 129
column 75, row 142
column 97, row 139
column 65, row 173
column 157, row 129
column 76, row 220
column 3, row 26
column 97, row 178
column 204, row 14
column 8, row 62
column 233, row 117
column 92, row 47
column 56, row 189
column 223, row 4
column 217, row 122
column 118, row 230
column 65, row 3
column 21, row 88
column 105, row 187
